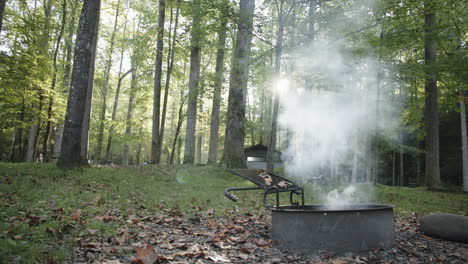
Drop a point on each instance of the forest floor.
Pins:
(177, 214)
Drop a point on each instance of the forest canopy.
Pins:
(350, 90)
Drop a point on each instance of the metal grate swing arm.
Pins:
(253, 176)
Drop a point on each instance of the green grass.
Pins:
(27, 191)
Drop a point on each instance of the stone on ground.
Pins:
(447, 226)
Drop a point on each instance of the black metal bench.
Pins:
(253, 176)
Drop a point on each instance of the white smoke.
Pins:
(331, 121)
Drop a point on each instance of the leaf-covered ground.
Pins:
(177, 215)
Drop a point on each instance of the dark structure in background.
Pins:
(256, 157)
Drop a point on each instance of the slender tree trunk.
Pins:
(180, 121)
(66, 77)
(31, 140)
(116, 98)
(274, 121)
(393, 169)
(138, 152)
(2, 11)
(431, 117)
(194, 77)
(45, 142)
(402, 170)
(155, 140)
(128, 126)
(218, 85)
(464, 140)
(105, 88)
(81, 85)
(198, 155)
(234, 156)
(114, 112)
(170, 66)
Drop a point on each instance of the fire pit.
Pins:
(350, 228)
(310, 228)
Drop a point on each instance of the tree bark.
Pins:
(81, 85)
(180, 121)
(431, 117)
(234, 156)
(2, 11)
(105, 88)
(45, 142)
(170, 66)
(128, 126)
(194, 76)
(116, 98)
(274, 122)
(218, 85)
(155, 140)
(66, 77)
(464, 140)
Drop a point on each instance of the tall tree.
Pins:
(66, 79)
(464, 140)
(431, 116)
(234, 156)
(131, 108)
(282, 16)
(81, 85)
(45, 143)
(218, 85)
(194, 76)
(170, 67)
(2, 11)
(106, 85)
(155, 140)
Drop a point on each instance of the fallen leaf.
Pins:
(216, 257)
(76, 215)
(123, 237)
(92, 231)
(143, 226)
(145, 255)
(262, 242)
(243, 256)
(106, 218)
(282, 184)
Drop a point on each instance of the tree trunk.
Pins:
(128, 126)
(464, 140)
(218, 85)
(2, 11)
(105, 88)
(234, 156)
(66, 77)
(274, 122)
(431, 117)
(114, 112)
(170, 66)
(402, 170)
(180, 120)
(116, 98)
(31, 140)
(194, 77)
(393, 169)
(45, 142)
(138, 152)
(81, 85)
(58, 142)
(198, 155)
(155, 140)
